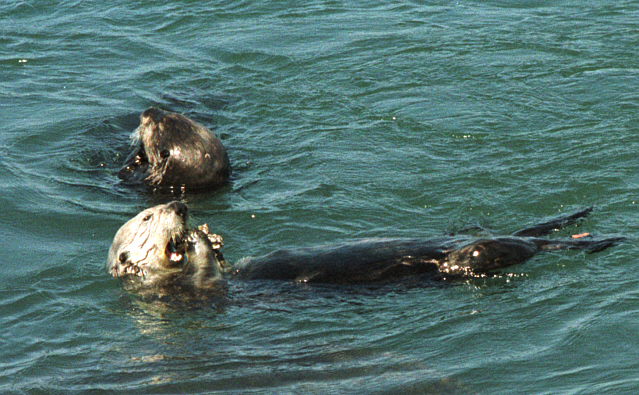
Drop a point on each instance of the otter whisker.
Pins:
(135, 136)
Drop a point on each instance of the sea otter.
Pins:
(157, 249)
(173, 151)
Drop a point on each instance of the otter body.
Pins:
(173, 151)
(156, 248)
(379, 260)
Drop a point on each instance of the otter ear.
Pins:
(123, 257)
(121, 269)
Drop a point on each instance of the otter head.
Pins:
(157, 249)
(174, 151)
(481, 256)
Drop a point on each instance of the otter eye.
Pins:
(147, 217)
(124, 256)
(165, 153)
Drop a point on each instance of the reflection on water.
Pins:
(305, 341)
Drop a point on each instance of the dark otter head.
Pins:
(157, 249)
(483, 255)
(174, 151)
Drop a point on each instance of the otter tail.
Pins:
(546, 228)
(579, 242)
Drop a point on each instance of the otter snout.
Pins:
(178, 208)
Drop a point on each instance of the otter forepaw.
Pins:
(216, 240)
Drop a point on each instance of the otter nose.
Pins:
(178, 208)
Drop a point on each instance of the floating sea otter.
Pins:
(157, 249)
(175, 152)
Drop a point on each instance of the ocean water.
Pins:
(343, 120)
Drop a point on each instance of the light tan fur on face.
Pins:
(156, 249)
(143, 241)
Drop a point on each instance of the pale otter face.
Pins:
(152, 245)
(174, 151)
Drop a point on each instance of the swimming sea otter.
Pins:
(175, 152)
(157, 249)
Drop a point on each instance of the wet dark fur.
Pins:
(364, 261)
(173, 151)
